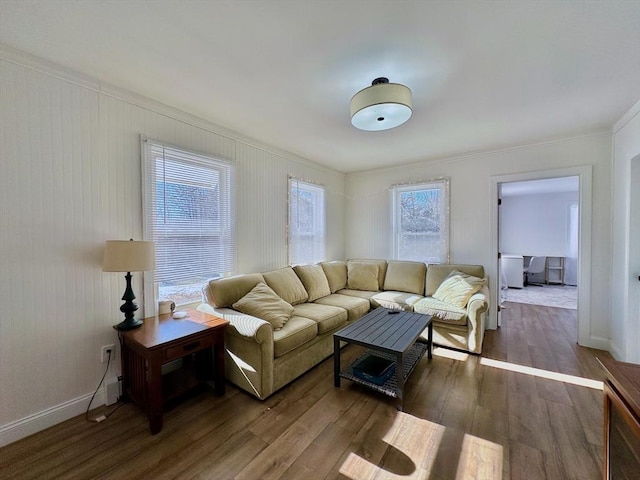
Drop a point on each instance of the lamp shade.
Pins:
(381, 106)
(128, 256)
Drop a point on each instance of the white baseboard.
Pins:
(599, 343)
(616, 352)
(14, 431)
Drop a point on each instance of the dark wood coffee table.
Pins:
(387, 333)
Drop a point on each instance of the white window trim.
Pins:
(227, 188)
(442, 256)
(320, 227)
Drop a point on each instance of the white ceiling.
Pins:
(484, 75)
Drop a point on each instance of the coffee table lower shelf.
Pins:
(390, 386)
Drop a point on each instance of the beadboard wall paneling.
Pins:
(625, 262)
(70, 178)
(49, 130)
(266, 175)
(368, 221)
(265, 209)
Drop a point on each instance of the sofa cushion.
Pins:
(437, 273)
(357, 293)
(262, 302)
(314, 281)
(355, 307)
(296, 332)
(336, 273)
(287, 285)
(458, 288)
(224, 292)
(362, 276)
(405, 277)
(326, 316)
(441, 311)
(396, 300)
(382, 268)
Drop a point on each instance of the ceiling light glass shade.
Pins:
(381, 106)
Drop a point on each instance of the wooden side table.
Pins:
(197, 339)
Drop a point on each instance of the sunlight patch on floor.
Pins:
(479, 458)
(537, 372)
(452, 354)
(413, 445)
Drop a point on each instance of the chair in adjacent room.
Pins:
(536, 265)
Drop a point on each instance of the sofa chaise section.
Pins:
(461, 328)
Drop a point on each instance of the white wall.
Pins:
(625, 291)
(472, 203)
(69, 180)
(536, 224)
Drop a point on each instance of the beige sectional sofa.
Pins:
(281, 322)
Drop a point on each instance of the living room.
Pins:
(70, 176)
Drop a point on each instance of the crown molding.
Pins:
(626, 118)
(485, 153)
(68, 75)
(18, 57)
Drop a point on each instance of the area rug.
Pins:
(548, 295)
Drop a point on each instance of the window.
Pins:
(306, 222)
(188, 213)
(421, 221)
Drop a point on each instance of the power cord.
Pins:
(101, 418)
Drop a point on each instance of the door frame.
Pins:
(584, 173)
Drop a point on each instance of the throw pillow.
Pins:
(314, 281)
(470, 279)
(362, 276)
(405, 276)
(457, 290)
(336, 273)
(287, 285)
(262, 302)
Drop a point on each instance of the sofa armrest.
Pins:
(478, 303)
(249, 347)
(241, 324)
(477, 307)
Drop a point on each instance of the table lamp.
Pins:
(128, 256)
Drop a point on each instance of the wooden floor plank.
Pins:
(464, 418)
(588, 404)
(318, 459)
(570, 440)
(366, 450)
(527, 463)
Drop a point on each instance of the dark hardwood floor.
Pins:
(466, 417)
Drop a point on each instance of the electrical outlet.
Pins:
(104, 356)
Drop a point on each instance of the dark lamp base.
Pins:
(129, 324)
(129, 308)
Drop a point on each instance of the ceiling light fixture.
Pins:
(381, 106)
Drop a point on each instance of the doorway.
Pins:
(538, 241)
(583, 261)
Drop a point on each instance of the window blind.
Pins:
(188, 212)
(306, 222)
